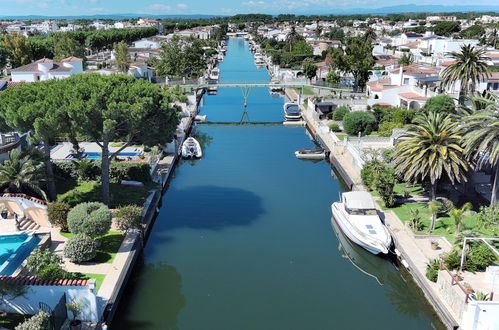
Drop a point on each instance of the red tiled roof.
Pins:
(33, 199)
(413, 44)
(413, 96)
(415, 69)
(447, 63)
(32, 280)
(44, 60)
(492, 55)
(72, 59)
(377, 87)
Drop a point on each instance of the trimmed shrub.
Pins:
(334, 127)
(440, 103)
(340, 113)
(90, 170)
(39, 259)
(359, 121)
(129, 217)
(80, 248)
(39, 321)
(403, 116)
(479, 257)
(385, 184)
(58, 215)
(386, 128)
(92, 219)
(52, 272)
(367, 176)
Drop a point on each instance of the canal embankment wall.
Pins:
(134, 241)
(407, 251)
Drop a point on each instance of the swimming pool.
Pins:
(97, 155)
(14, 249)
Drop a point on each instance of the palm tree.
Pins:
(292, 37)
(493, 38)
(21, 175)
(458, 214)
(430, 149)
(435, 207)
(469, 68)
(481, 141)
(406, 59)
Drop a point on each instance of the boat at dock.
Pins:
(292, 111)
(191, 148)
(316, 153)
(357, 217)
(214, 74)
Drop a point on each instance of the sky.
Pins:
(210, 7)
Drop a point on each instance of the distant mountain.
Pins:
(411, 8)
(111, 16)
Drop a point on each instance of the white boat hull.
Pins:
(320, 156)
(347, 229)
(191, 149)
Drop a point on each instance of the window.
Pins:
(406, 81)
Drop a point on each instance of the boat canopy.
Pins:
(359, 200)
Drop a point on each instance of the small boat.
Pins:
(358, 219)
(191, 148)
(214, 74)
(316, 153)
(292, 111)
(212, 90)
(200, 118)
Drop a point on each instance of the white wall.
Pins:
(29, 304)
(481, 315)
(22, 76)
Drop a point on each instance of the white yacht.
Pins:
(292, 111)
(214, 74)
(191, 148)
(358, 219)
(259, 60)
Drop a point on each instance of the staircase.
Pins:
(26, 224)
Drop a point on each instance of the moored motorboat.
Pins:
(316, 153)
(292, 111)
(191, 148)
(214, 74)
(358, 219)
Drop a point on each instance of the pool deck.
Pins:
(62, 150)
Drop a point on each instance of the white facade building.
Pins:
(46, 69)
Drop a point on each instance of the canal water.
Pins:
(244, 239)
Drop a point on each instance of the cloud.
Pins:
(157, 7)
(182, 5)
(227, 10)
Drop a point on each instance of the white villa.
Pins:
(46, 69)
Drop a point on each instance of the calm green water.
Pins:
(244, 239)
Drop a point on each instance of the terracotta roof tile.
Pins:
(413, 96)
(32, 280)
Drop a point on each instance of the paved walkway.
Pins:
(112, 271)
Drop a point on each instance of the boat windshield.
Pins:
(362, 211)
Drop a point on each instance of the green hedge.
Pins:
(359, 121)
(92, 170)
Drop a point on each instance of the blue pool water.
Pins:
(14, 249)
(97, 155)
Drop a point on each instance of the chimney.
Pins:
(401, 73)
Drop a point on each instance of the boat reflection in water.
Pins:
(400, 292)
(372, 265)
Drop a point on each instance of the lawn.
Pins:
(73, 193)
(110, 244)
(12, 320)
(444, 225)
(99, 278)
(306, 91)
